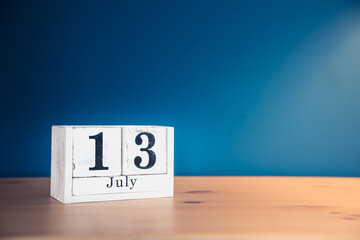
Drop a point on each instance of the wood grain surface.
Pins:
(203, 208)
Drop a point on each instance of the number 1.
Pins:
(98, 152)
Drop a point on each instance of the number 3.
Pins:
(152, 156)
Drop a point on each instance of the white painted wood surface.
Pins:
(73, 158)
(84, 151)
(132, 150)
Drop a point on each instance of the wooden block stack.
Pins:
(103, 163)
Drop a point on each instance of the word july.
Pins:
(119, 182)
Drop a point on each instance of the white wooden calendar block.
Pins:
(84, 151)
(144, 137)
(102, 163)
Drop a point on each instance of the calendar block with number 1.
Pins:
(104, 163)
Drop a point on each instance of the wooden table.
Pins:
(203, 208)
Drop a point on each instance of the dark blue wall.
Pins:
(251, 87)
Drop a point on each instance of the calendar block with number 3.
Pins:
(103, 163)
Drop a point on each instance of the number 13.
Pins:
(138, 140)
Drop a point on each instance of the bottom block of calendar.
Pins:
(120, 184)
(91, 189)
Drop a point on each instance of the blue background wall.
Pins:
(251, 87)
